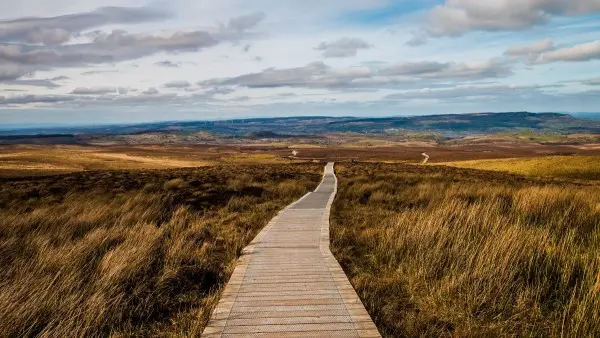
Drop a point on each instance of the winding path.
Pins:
(288, 284)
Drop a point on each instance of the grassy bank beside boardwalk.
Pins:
(131, 253)
(440, 251)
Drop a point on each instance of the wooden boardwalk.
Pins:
(288, 284)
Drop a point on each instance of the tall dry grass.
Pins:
(561, 167)
(144, 256)
(439, 252)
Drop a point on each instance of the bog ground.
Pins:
(139, 240)
(28, 160)
(438, 251)
(118, 253)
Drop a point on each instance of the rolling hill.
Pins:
(447, 125)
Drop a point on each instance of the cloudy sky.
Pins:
(103, 61)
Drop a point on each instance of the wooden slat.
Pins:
(288, 284)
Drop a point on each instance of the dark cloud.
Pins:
(319, 75)
(535, 48)
(219, 91)
(94, 72)
(33, 82)
(26, 99)
(191, 90)
(177, 84)
(13, 70)
(96, 98)
(94, 90)
(17, 60)
(291, 77)
(60, 78)
(344, 47)
(48, 36)
(245, 22)
(150, 91)
(449, 70)
(128, 46)
(59, 29)
(417, 39)
(415, 68)
(167, 63)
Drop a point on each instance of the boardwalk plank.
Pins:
(288, 284)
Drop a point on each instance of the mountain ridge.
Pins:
(456, 124)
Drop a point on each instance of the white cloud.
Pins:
(534, 49)
(12, 70)
(450, 70)
(320, 75)
(59, 29)
(28, 99)
(470, 91)
(167, 63)
(244, 22)
(582, 52)
(177, 84)
(150, 91)
(344, 47)
(592, 82)
(456, 17)
(217, 44)
(94, 90)
(17, 60)
(417, 39)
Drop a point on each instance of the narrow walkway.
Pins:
(288, 284)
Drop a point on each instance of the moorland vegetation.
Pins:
(435, 251)
(131, 253)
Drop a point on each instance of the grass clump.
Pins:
(112, 254)
(174, 184)
(437, 251)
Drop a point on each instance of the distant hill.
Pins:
(587, 116)
(38, 139)
(449, 125)
(461, 124)
(264, 134)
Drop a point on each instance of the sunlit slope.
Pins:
(575, 167)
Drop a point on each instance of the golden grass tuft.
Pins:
(113, 254)
(174, 184)
(435, 251)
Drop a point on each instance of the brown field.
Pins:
(432, 250)
(33, 160)
(436, 251)
(30, 160)
(566, 167)
(411, 151)
(131, 253)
